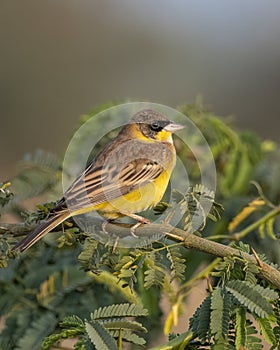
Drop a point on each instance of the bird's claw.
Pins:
(139, 223)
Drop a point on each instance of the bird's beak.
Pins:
(173, 127)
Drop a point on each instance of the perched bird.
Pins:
(128, 176)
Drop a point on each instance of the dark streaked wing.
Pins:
(97, 185)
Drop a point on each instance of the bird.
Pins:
(128, 176)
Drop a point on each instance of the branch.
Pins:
(266, 271)
(191, 241)
(188, 240)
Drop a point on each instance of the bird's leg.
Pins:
(140, 220)
(104, 225)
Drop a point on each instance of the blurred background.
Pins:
(59, 59)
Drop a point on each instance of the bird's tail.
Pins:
(40, 231)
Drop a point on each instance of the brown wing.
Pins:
(118, 170)
(98, 185)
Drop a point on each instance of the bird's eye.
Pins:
(156, 126)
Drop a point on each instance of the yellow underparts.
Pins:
(136, 201)
(139, 200)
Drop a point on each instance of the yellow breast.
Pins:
(138, 200)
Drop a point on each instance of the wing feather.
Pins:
(108, 186)
(112, 175)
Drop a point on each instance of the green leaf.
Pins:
(132, 326)
(119, 310)
(251, 270)
(266, 330)
(153, 277)
(200, 321)
(267, 293)
(58, 337)
(88, 257)
(178, 264)
(100, 337)
(240, 327)
(245, 332)
(35, 334)
(154, 274)
(220, 314)
(253, 297)
(72, 321)
(129, 337)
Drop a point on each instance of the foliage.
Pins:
(192, 206)
(39, 172)
(234, 153)
(5, 193)
(222, 319)
(72, 286)
(106, 326)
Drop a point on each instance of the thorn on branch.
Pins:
(258, 260)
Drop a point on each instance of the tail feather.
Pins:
(40, 231)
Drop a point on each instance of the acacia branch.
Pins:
(191, 241)
(188, 240)
(266, 271)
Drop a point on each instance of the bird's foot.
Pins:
(141, 221)
(104, 226)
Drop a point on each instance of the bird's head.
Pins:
(152, 125)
